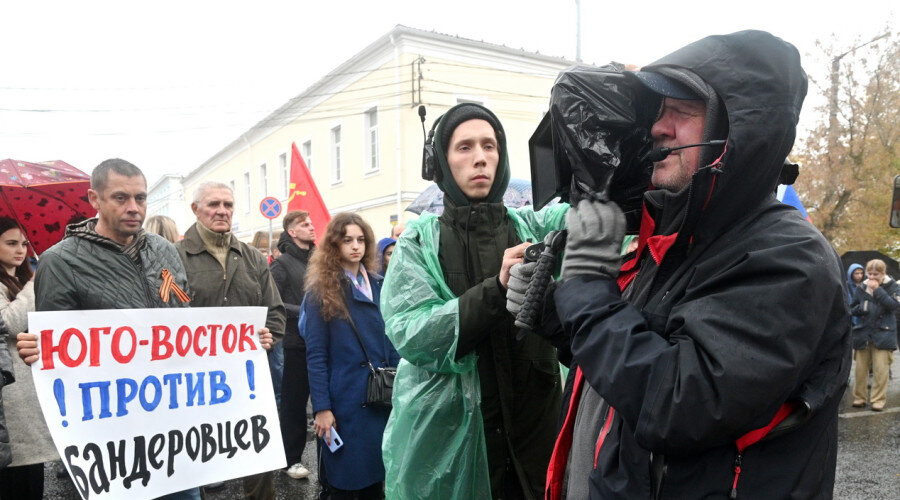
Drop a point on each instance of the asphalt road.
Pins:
(868, 458)
(868, 464)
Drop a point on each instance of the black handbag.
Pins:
(380, 386)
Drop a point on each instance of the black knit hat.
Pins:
(445, 128)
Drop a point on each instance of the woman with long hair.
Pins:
(342, 295)
(30, 442)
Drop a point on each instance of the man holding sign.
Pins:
(107, 262)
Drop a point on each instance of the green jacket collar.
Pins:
(193, 243)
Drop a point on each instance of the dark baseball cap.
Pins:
(665, 86)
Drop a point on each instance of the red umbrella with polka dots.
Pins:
(44, 198)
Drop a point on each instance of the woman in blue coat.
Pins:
(338, 287)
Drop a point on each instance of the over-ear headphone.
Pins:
(431, 171)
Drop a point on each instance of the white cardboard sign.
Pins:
(145, 402)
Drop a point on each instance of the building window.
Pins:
(306, 153)
(285, 173)
(231, 185)
(247, 192)
(370, 147)
(263, 182)
(336, 173)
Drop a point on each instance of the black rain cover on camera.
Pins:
(592, 138)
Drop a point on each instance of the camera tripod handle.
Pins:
(545, 254)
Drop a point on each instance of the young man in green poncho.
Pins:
(475, 410)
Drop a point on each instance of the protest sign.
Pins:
(144, 402)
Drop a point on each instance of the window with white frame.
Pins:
(285, 169)
(306, 153)
(370, 148)
(263, 182)
(247, 192)
(336, 172)
(231, 185)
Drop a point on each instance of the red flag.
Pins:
(304, 194)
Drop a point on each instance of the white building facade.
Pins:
(359, 130)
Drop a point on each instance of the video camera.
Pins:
(592, 142)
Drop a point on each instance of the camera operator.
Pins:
(713, 361)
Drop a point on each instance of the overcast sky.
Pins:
(167, 84)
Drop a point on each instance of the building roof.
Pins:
(372, 57)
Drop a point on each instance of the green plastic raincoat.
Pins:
(434, 443)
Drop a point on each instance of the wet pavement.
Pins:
(868, 457)
(285, 486)
(868, 464)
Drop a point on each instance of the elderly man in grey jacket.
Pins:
(223, 271)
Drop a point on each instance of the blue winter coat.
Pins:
(338, 375)
(876, 323)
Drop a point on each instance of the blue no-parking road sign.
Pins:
(270, 207)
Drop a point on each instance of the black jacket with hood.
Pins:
(289, 273)
(745, 314)
(876, 323)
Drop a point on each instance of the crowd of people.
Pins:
(670, 369)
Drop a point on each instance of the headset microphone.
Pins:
(422, 118)
(659, 154)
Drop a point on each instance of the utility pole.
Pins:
(833, 97)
